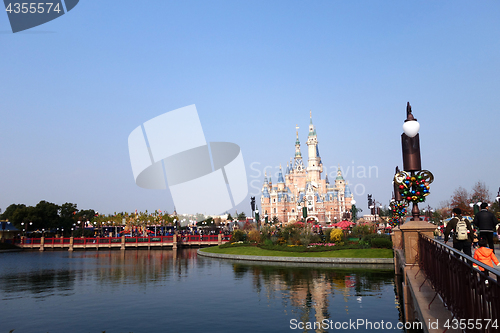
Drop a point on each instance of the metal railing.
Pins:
(471, 295)
(114, 240)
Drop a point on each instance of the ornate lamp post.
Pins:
(252, 206)
(375, 209)
(475, 205)
(428, 213)
(413, 182)
(304, 211)
(299, 210)
(354, 211)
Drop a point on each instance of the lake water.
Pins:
(178, 291)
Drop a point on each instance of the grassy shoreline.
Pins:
(347, 253)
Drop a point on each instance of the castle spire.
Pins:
(298, 165)
(339, 174)
(280, 177)
(314, 165)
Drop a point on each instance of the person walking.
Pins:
(485, 255)
(462, 237)
(486, 223)
(475, 240)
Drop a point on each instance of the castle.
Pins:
(302, 186)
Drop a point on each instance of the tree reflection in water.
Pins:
(61, 275)
(309, 291)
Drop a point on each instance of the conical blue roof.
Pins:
(280, 177)
(347, 192)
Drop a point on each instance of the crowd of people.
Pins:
(481, 237)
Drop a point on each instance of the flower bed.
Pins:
(321, 244)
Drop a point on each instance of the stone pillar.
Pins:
(42, 241)
(219, 239)
(71, 239)
(410, 231)
(175, 241)
(123, 243)
(397, 238)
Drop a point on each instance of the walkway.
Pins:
(91, 243)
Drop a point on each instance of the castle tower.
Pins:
(339, 181)
(340, 185)
(281, 181)
(298, 165)
(314, 165)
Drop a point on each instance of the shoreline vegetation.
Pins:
(340, 253)
(301, 240)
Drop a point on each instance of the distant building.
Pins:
(7, 231)
(301, 186)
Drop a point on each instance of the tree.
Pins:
(442, 212)
(67, 215)
(199, 217)
(480, 192)
(87, 215)
(241, 216)
(385, 211)
(460, 199)
(9, 212)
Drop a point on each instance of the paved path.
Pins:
(450, 243)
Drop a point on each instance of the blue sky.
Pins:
(73, 89)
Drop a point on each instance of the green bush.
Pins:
(362, 230)
(291, 234)
(307, 237)
(228, 245)
(300, 248)
(368, 238)
(238, 236)
(381, 243)
(268, 242)
(326, 234)
(254, 236)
